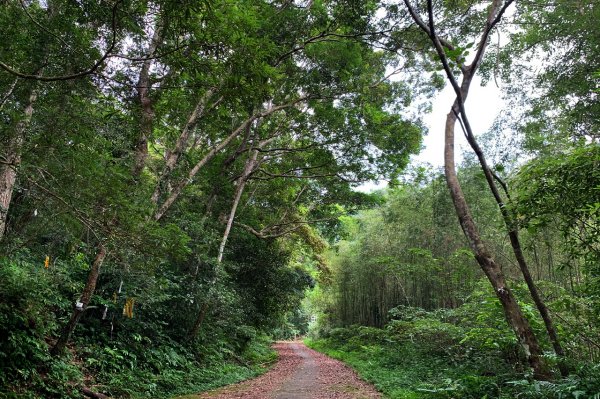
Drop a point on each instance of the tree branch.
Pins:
(39, 25)
(492, 21)
(264, 233)
(9, 92)
(216, 149)
(74, 211)
(89, 71)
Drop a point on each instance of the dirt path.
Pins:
(300, 373)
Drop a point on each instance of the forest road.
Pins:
(300, 373)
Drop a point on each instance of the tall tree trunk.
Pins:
(141, 152)
(172, 156)
(241, 184)
(147, 108)
(513, 234)
(82, 304)
(12, 160)
(539, 303)
(178, 189)
(492, 270)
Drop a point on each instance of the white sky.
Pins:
(483, 105)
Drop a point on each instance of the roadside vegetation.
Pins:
(178, 188)
(449, 354)
(406, 306)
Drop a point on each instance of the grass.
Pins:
(427, 367)
(396, 379)
(409, 371)
(227, 378)
(261, 356)
(206, 380)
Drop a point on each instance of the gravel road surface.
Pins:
(300, 373)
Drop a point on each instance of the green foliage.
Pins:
(294, 324)
(304, 88)
(217, 67)
(268, 290)
(408, 361)
(143, 370)
(563, 193)
(407, 251)
(137, 359)
(27, 290)
(564, 106)
(427, 355)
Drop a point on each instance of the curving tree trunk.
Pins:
(513, 235)
(249, 168)
(241, 184)
(492, 270)
(82, 303)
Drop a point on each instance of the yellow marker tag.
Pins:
(47, 262)
(131, 308)
(128, 308)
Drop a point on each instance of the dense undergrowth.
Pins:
(119, 356)
(440, 354)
